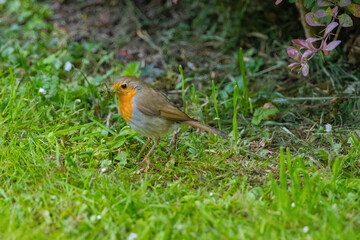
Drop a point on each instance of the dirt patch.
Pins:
(133, 30)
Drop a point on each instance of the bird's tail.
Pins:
(207, 128)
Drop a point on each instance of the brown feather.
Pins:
(159, 106)
(154, 103)
(205, 127)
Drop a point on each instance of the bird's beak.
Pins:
(110, 90)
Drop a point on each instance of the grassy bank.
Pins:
(66, 155)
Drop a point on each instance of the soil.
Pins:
(133, 30)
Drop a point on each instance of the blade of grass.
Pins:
(245, 84)
(275, 189)
(234, 123)
(336, 169)
(282, 169)
(215, 103)
(288, 162)
(182, 87)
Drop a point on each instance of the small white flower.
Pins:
(211, 193)
(43, 91)
(328, 128)
(103, 169)
(67, 66)
(98, 217)
(305, 229)
(132, 236)
(77, 100)
(293, 204)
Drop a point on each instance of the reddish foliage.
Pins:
(305, 49)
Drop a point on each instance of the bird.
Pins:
(150, 113)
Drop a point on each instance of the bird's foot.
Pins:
(146, 158)
(144, 169)
(174, 138)
(141, 162)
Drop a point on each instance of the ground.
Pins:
(67, 156)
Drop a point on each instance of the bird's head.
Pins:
(126, 85)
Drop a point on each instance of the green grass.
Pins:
(66, 171)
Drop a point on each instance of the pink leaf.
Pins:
(322, 3)
(278, 2)
(354, 9)
(313, 20)
(306, 55)
(311, 47)
(305, 69)
(294, 65)
(330, 27)
(312, 39)
(293, 53)
(332, 45)
(301, 43)
(335, 11)
(320, 13)
(344, 3)
(345, 20)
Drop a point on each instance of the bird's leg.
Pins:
(142, 150)
(144, 147)
(146, 158)
(174, 138)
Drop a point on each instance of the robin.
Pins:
(150, 113)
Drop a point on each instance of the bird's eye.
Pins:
(124, 86)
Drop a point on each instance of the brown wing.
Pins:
(153, 103)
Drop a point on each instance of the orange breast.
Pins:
(125, 104)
